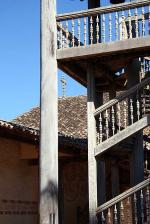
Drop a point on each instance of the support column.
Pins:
(114, 178)
(137, 155)
(48, 168)
(92, 167)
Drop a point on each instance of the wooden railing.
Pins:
(104, 24)
(121, 112)
(132, 206)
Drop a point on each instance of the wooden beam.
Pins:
(122, 135)
(48, 170)
(138, 45)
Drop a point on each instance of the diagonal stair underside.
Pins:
(122, 135)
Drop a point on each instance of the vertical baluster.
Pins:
(79, 23)
(73, 33)
(147, 205)
(130, 24)
(123, 25)
(144, 102)
(100, 128)
(97, 29)
(121, 212)
(103, 27)
(106, 123)
(116, 26)
(91, 30)
(109, 216)
(149, 20)
(143, 22)
(67, 35)
(103, 218)
(97, 138)
(118, 115)
(131, 111)
(85, 31)
(138, 108)
(61, 36)
(135, 208)
(142, 207)
(125, 113)
(113, 120)
(110, 27)
(115, 215)
(136, 23)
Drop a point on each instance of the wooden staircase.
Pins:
(128, 113)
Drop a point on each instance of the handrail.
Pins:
(121, 97)
(102, 10)
(122, 196)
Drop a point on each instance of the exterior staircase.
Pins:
(119, 120)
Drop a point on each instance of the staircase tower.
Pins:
(106, 49)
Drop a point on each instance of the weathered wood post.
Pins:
(48, 168)
(92, 166)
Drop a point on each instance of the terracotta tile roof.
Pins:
(71, 115)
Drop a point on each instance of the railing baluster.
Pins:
(144, 102)
(130, 24)
(119, 116)
(97, 139)
(67, 35)
(106, 123)
(79, 23)
(97, 29)
(121, 212)
(113, 120)
(100, 128)
(131, 111)
(109, 216)
(136, 23)
(61, 36)
(115, 215)
(103, 218)
(138, 108)
(123, 25)
(73, 33)
(85, 39)
(91, 30)
(125, 113)
(103, 27)
(110, 27)
(116, 26)
(142, 207)
(147, 205)
(143, 22)
(135, 208)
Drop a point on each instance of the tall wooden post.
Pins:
(92, 166)
(48, 170)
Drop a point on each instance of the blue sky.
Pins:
(20, 54)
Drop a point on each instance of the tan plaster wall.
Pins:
(18, 185)
(75, 185)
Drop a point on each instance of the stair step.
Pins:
(122, 135)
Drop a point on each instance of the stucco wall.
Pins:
(18, 185)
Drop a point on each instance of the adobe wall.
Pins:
(18, 185)
(75, 186)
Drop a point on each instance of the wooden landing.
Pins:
(108, 58)
(129, 131)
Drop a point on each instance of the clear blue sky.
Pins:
(19, 55)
